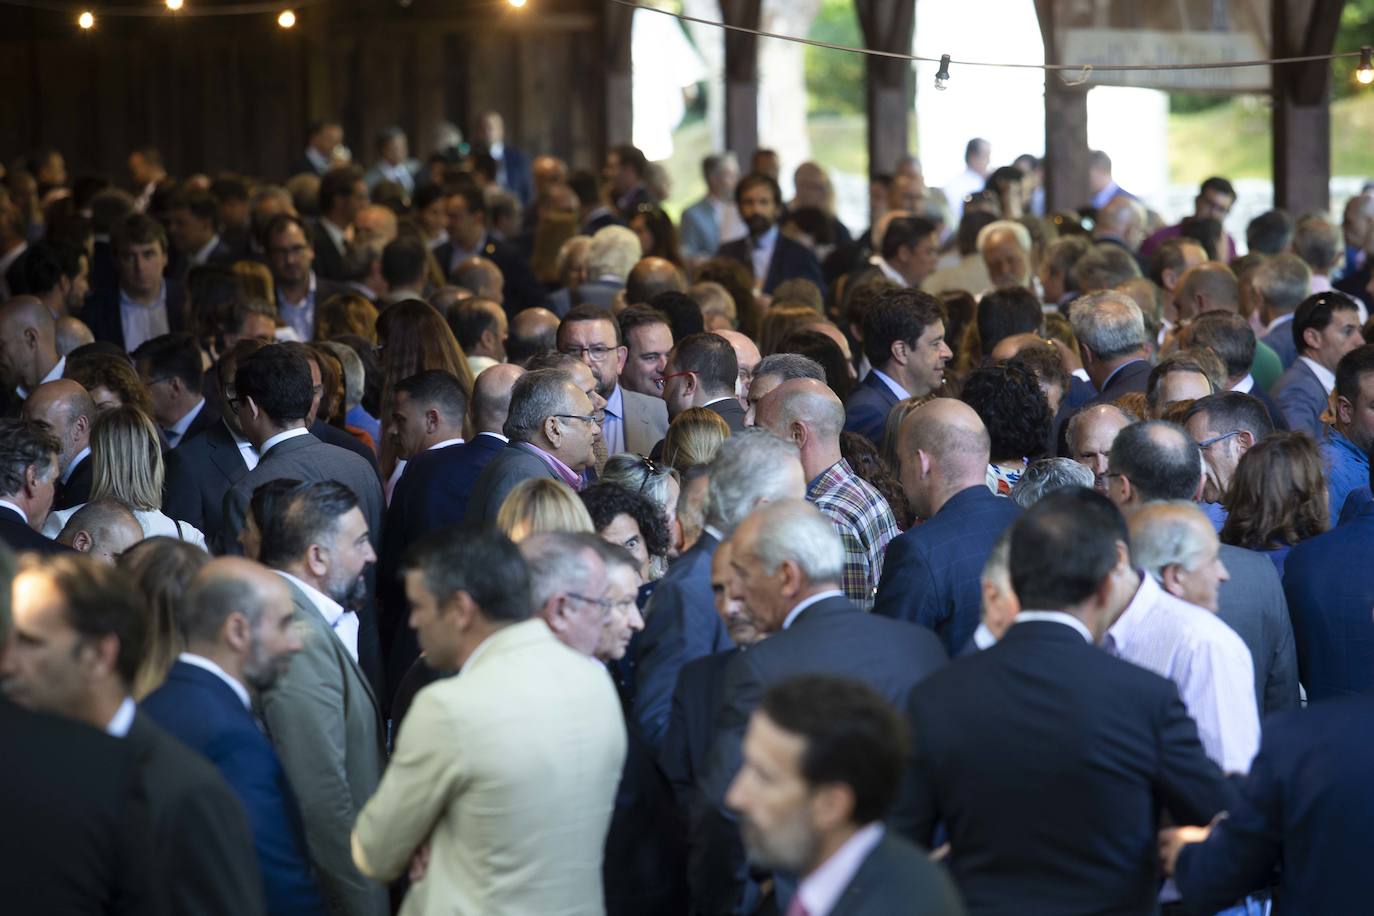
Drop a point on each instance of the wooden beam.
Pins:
(1301, 133)
(888, 25)
(741, 77)
(1066, 128)
(618, 124)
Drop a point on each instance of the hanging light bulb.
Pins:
(287, 19)
(942, 78)
(517, 3)
(175, 5)
(86, 20)
(1364, 73)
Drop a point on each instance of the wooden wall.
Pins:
(236, 92)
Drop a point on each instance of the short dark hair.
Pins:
(852, 736)
(1219, 185)
(24, 443)
(227, 188)
(138, 229)
(482, 563)
(438, 389)
(45, 263)
(1157, 469)
(1169, 256)
(1234, 410)
(1316, 313)
(263, 503)
(278, 380)
(1353, 366)
(1015, 411)
(99, 600)
(711, 357)
(338, 182)
(753, 180)
(1270, 232)
(212, 290)
(905, 232)
(898, 314)
(631, 156)
(820, 348)
(1063, 547)
(176, 355)
(520, 349)
(200, 204)
(468, 189)
(425, 195)
(1229, 336)
(307, 514)
(974, 147)
(606, 501)
(970, 225)
(278, 224)
(1005, 312)
(470, 318)
(588, 312)
(636, 316)
(403, 262)
(684, 315)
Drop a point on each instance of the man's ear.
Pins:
(1345, 411)
(82, 541)
(1169, 579)
(1311, 337)
(900, 352)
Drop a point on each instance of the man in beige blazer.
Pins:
(321, 715)
(504, 777)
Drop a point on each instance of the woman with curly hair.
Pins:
(626, 519)
(1277, 496)
(1017, 415)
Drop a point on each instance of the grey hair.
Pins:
(534, 398)
(787, 366)
(744, 474)
(1168, 533)
(1284, 281)
(614, 250)
(630, 472)
(1045, 476)
(1022, 234)
(793, 529)
(353, 371)
(575, 246)
(559, 562)
(1108, 323)
(997, 567)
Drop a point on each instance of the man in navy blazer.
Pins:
(1325, 328)
(1099, 745)
(931, 573)
(236, 617)
(904, 340)
(1111, 341)
(144, 303)
(1305, 806)
(28, 470)
(770, 256)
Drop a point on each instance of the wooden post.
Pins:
(1066, 128)
(619, 123)
(741, 78)
(888, 25)
(1302, 118)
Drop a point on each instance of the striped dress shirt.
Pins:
(866, 525)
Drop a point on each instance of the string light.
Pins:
(1364, 73)
(517, 3)
(175, 5)
(942, 78)
(287, 19)
(86, 20)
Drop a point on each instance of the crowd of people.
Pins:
(473, 537)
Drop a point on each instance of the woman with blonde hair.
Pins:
(346, 313)
(542, 505)
(126, 465)
(162, 568)
(694, 438)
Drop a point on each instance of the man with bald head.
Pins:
(1121, 222)
(482, 278)
(532, 331)
(104, 529)
(1090, 434)
(28, 344)
(931, 573)
(240, 637)
(68, 409)
(70, 333)
(809, 414)
(771, 372)
(747, 355)
(651, 276)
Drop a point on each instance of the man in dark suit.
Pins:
(1303, 808)
(512, 164)
(552, 427)
(322, 139)
(813, 629)
(904, 340)
(343, 192)
(1325, 328)
(1111, 341)
(770, 256)
(192, 222)
(292, 261)
(144, 304)
(1099, 743)
(829, 739)
(1280, 284)
(68, 409)
(469, 237)
(28, 475)
(170, 366)
(206, 703)
(81, 634)
(1330, 597)
(702, 371)
(931, 573)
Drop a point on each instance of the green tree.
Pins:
(835, 79)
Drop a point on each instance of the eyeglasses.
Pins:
(605, 604)
(589, 418)
(597, 353)
(663, 380)
(1208, 443)
(652, 470)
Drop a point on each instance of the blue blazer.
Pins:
(931, 573)
(1306, 804)
(1134, 376)
(791, 261)
(1330, 594)
(206, 715)
(1301, 397)
(700, 234)
(1281, 341)
(866, 410)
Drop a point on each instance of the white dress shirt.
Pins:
(1245, 385)
(247, 450)
(299, 316)
(200, 661)
(1323, 374)
(821, 890)
(53, 375)
(123, 719)
(203, 255)
(282, 437)
(805, 603)
(177, 430)
(1204, 658)
(344, 623)
(142, 322)
(888, 270)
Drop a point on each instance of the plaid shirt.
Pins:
(865, 522)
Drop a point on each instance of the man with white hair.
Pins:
(753, 467)
(1111, 341)
(611, 254)
(1173, 541)
(1046, 475)
(789, 561)
(1005, 246)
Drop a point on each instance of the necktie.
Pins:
(796, 908)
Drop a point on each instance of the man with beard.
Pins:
(238, 619)
(633, 421)
(322, 715)
(770, 256)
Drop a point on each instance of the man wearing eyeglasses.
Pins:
(292, 261)
(633, 421)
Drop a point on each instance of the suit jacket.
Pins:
(691, 722)
(324, 721)
(518, 179)
(1356, 283)
(897, 879)
(600, 293)
(1099, 743)
(645, 421)
(1302, 398)
(77, 490)
(729, 411)
(1329, 597)
(791, 261)
(102, 312)
(200, 834)
(19, 537)
(332, 435)
(78, 836)
(680, 624)
(931, 573)
(202, 712)
(1251, 602)
(700, 232)
(329, 260)
(830, 637)
(1305, 805)
(522, 289)
(1133, 376)
(208, 417)
(1281, 341)
(866, 410)
(509, 772)
(207, 467)
(503, 471)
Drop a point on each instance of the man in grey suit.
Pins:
(833, 745)
(1325, 328)
(633, 421)
(321, 715)
(552, 426)
(714, 218)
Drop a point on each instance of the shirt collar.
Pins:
(445, 444)
(159, 301)
(178, 429)
(1131, 619)
(55, 372)
(282, 437)
(822, 889)
(983, 638)
(891, 383)
(1055, 617)
(77, 459)
(564, 472)
(805, 603)
(336, 233)
(1323, 374)
(1278, 321)
(200, 661)
(6, 504)
(1245, 385)
(317, 159)
(1108, 380)
(615, 404)
(766, 241)
(203, 255)
(498, 436)
(305, 300)
(329, 609)
(888, 270)
(123, 719)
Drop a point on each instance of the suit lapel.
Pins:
(323, 630)
(225, 455)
